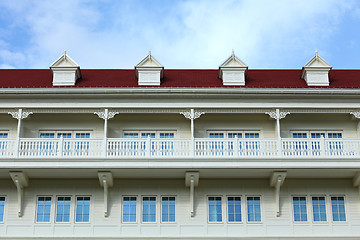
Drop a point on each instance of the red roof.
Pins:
(120, 78)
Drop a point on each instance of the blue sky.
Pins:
(181, 34)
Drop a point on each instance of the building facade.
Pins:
(152, 153)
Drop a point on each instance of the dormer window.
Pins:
(65, 71)
(149, 71)
(316, 72)
(233, 71)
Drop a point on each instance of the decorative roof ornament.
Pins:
(233, 71)
(316, 71)
(149, 71)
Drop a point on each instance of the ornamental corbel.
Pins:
(355, 114)
(277, 180)
(106, 180)
(20, 114)
(20, 180)
(106, 114)
(277, 114)
(192, 181)
(192, 114)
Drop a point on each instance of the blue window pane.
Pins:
(132, 218)
(2, 208)
(299, 207)
(338, 209)
(319, 209)
(253, 209)
(149, 209)
(215, 209)
(43, 209)
(82, 209)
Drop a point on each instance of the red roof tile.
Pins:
(119, 78)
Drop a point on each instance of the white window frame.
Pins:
(309, 132)
(156, 210)
(73, 133)
(157, 133)
(346, 212)
(241, 207)
(222, 209)
(226, 133)
(70, 213)
(137, 209)
(307, 209)
(261, 210)
(5, 131)
(90, 207)
(51, 209)
(161, 221)
(326, 208)
(5, 205)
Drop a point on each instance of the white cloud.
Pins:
(184, 34)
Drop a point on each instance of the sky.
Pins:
(196, 34)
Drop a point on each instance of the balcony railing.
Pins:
(179, 148)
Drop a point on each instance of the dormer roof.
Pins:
(233, 62)
(316, 62)
(64, 61)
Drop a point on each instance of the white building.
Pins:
(152, 153)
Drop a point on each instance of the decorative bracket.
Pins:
(20, 114)
(106, 181)
(106, 114)
(277, 180)
(192, 181)
(355, 114)
(356, 181)
(192, 114)
(277, 114)
(21, 180)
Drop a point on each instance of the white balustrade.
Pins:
(180, 148)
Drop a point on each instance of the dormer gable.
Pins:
(233, 71)
(316, 71)
(149, 71)
(65, 71)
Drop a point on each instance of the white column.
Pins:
(192, 115)
(106, 115)
(277, 115)
(19, 115)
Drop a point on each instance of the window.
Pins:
(338, 209)
(82, 209)
(129, 209)
(63, 209)
(234, 209)
(233, 134)
(253, 209)
(149, 209)
(299, 207)
(319, 209)
(151, 134)
(316, 134)
(168, 209)
(2, 209)
(65, 134)
(3, 135)
(215, 209)
(43, 209)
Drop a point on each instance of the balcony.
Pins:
(198, 148)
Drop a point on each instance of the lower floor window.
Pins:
(43, 209)
(2, 208)
(149, 209)
(319, 209)
(338, 209)
(253, 209)
(215, 209)
(299, 207)
(63, 209)
(82, 209)
(168, 209)
(234, 209)
(129, 209)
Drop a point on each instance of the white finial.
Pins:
(149, 54)
(316, 53)
(232, 53)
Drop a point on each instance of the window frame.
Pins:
(156, 209)
(261, 210)
(161, 219)
(37, 208)
(307, 209)
(226, 133)
(157, 133)
(5, 205)
(70, 211)
(326, 209)
(208, 212)
(90, 206)
(136, 208)
(73, 133)
(309, 132)
(346, 213)
(241, 208)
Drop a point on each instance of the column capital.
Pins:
(20, 114)
(192, 114)
(277, 114)
(106, 114)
